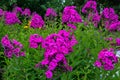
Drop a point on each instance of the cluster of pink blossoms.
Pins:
(37, 21)
(12, 47)
(70, 16)
(90, 8)
(50, 12)
(56, 47)
(1, 12)
(106, 59)
(111, 40)
(118, 41)
(26, 12)
(11, 18)
(17, 10)
(110, 19)
(35, 40)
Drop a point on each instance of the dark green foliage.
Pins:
(40, 6)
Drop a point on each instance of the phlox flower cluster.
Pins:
(56, 47)
(96, 19)
(50, 12)
(12, 47)
(90, 8)
(113, 42)
(26, 12)
(70, 16)
(11, 18)
(110, 19)
(17, 10)
(106, 59)
(35, 40)
(114, 26)
(118, 41)
(37, 21)
(1, 12)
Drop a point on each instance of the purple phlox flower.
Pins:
(72, 26)
(11, 18)
(108, 66)
(90, 6)
(8, 53)
(73, 40)
(70, 16)
(49, 74)
(26, 12)
(17, 44)
(33, 45)
(22, 53)
(107, 13)
(50, 12)
(17, 10)
(107, 59)
(38, 65)
(35, 40)
(6, 43)
(91, 0)
(64, 49)
(110, 19)
(59, 57)
(96, 19)
(37, 21)
(1, 12)
(98, 64)
(52, 65)
(12, 47)
(56, 46)
(64, 33)
(51, 51)
(118, 41)
(16, 50)
(44, 61)
(114, 26)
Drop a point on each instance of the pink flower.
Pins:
(26, 12)
(11, 18)
(33, 45)
(22, 53)
(90, 5)
(50, 12)
(12, 47)
(108, 67)
(44, 61)
(37, 21)
(35, 40)
(107, 59)
(72, 26)
(49, 74)
(59, 57)
(118, 41)
(98, 64)
(52, 65)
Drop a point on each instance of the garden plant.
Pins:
(66, 45)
